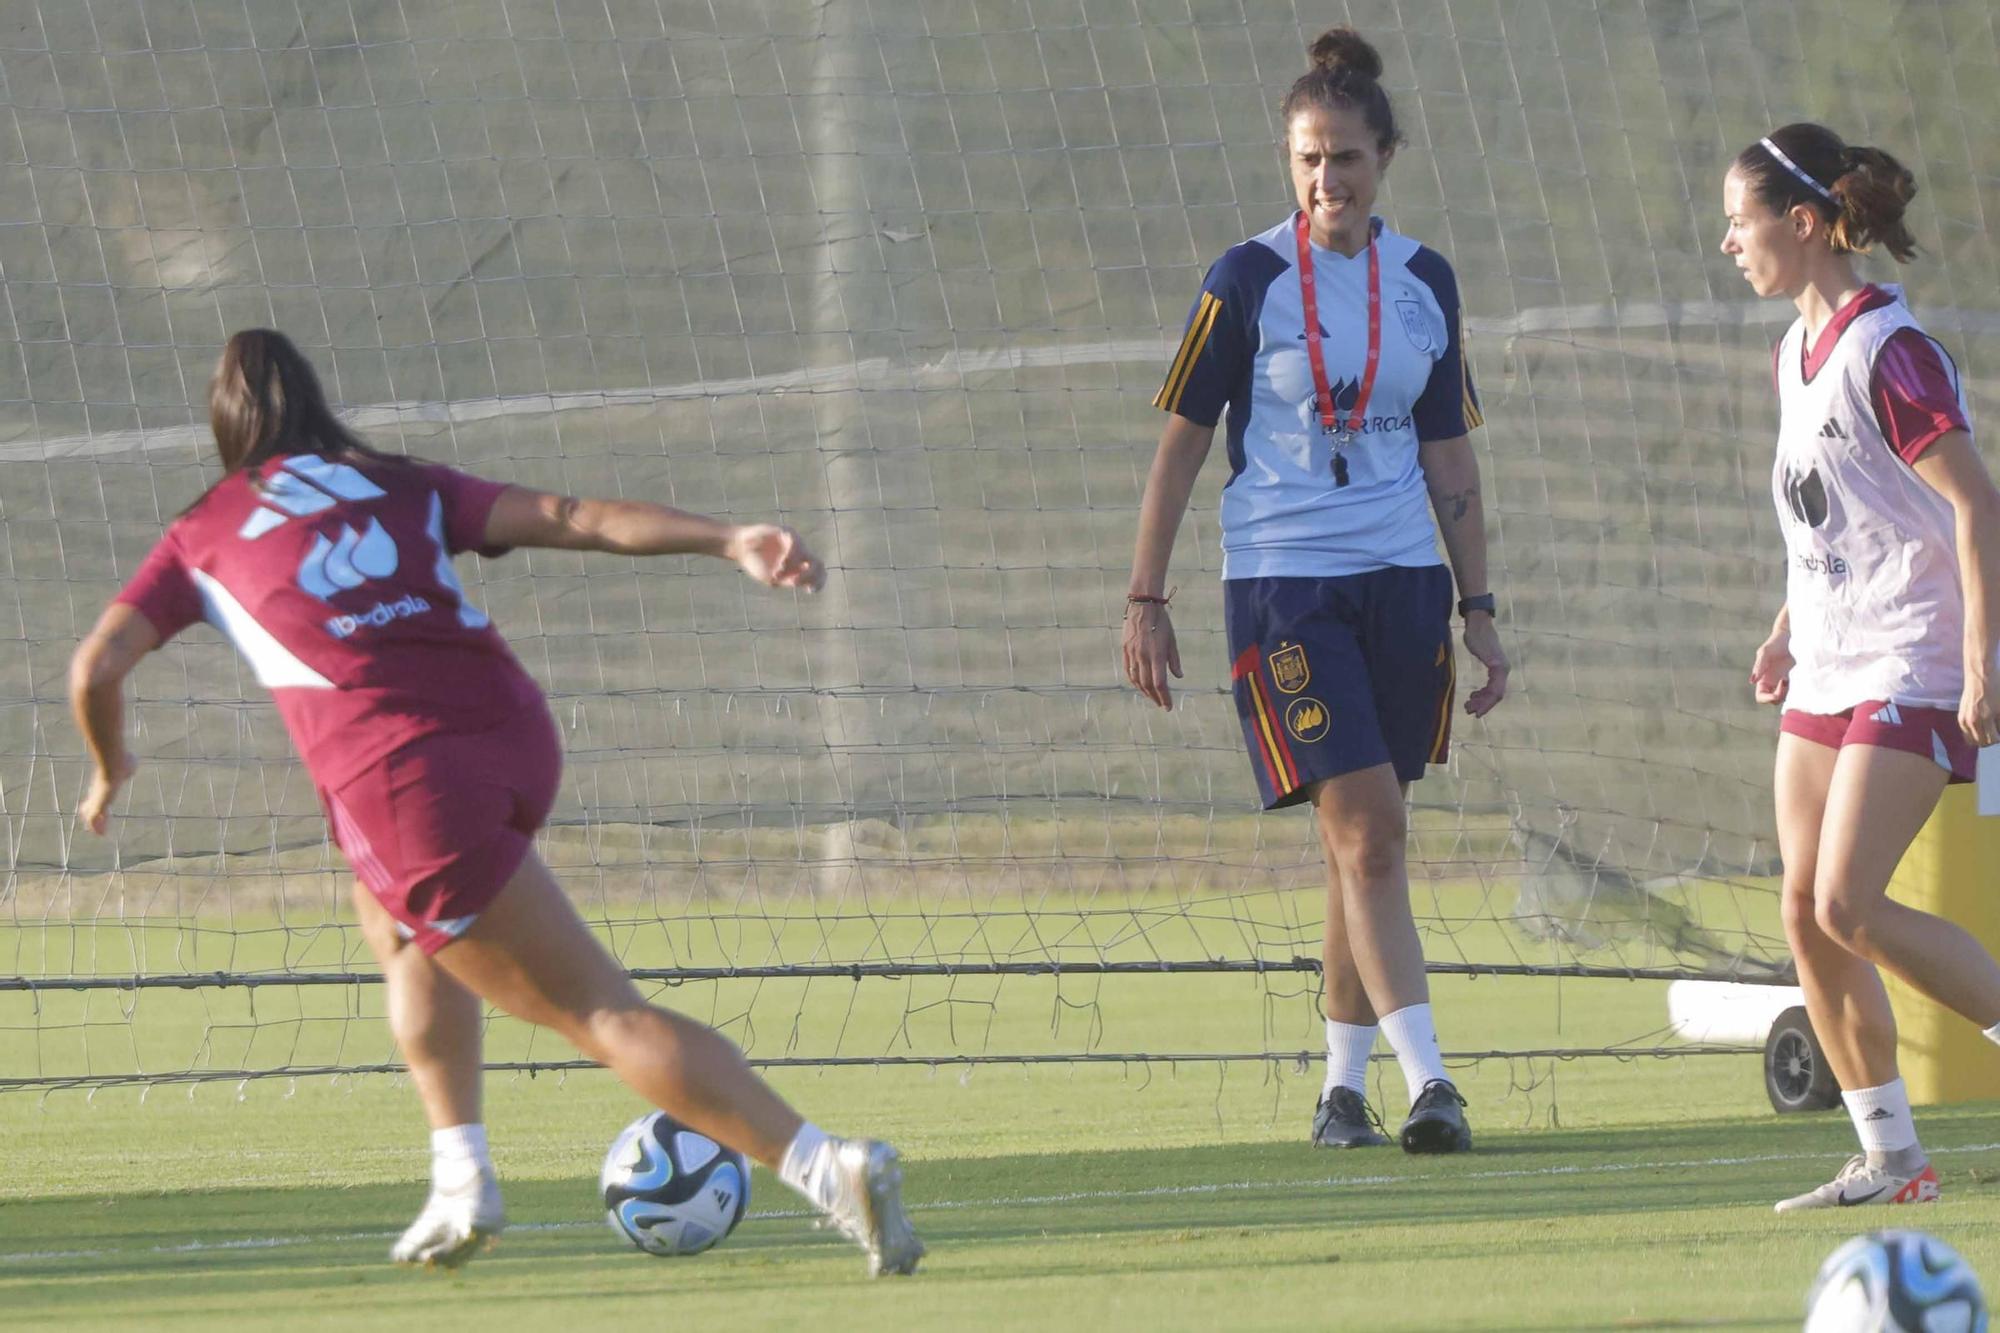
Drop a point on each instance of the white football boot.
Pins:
(458, 1220)
(858, 1184)
(1860, 1184)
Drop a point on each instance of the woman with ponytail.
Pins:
(1334, 345)
(329, 566)
(1882, 656)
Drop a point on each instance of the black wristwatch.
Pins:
(1483, 602)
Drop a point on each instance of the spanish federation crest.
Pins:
(1289, 671)
(1417, 325)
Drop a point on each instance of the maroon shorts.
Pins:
(436, 829)
(1933, 733)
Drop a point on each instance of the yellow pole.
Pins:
(1952, 869)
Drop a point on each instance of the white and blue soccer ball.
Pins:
(1895, 1282)
(671, 1191)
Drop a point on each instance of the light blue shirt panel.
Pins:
(1282, 516)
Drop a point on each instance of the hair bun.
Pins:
(1345, 51)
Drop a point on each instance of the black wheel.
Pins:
(1796, 1074)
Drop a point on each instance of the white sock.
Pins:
(802, 1155)
(1414, 1039)
(458, 1152)
(1991, 1034)
(1882, 1117)
(1347, 1049)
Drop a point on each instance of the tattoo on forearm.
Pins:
(1459, 502)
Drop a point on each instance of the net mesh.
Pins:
(904, 276)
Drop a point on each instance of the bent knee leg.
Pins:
(618, 1034)
(616, 1025)
(1370, 854)
(1800, 913)
(1845, 918)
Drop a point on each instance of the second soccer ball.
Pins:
(1895, 1282)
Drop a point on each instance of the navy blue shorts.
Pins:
(1334, 675)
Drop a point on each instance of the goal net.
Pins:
(906, 276)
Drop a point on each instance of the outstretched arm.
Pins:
(771, 554)
(97, 696)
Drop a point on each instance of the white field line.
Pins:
(882, 373)
(1025, 1201)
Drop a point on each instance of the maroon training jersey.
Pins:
(334, 580)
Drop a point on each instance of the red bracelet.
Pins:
(1141, 599)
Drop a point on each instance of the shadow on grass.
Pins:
(1044, 1216)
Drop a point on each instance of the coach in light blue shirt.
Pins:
(1280, 517)
(1334, 345)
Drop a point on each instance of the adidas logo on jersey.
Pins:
(1833, 430)
(288, 490)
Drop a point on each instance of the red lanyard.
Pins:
(1343, 433)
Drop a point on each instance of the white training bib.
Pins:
(1872, 565)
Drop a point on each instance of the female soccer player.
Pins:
(1882, 656)
(328, 564)
(1335, 345)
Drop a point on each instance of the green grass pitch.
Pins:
(1603, 1194)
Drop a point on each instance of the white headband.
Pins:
(1798, 171)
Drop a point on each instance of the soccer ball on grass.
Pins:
(1895, 1282)
(671, 1191)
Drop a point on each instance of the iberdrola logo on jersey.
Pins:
(1344, 394)
(1306, 719)
(1805, 495)
(348, 560)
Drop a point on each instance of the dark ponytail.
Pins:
(1874, 189)
(264, 400)
(1861, 193)
(1346, 73)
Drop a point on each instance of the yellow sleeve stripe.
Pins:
(1473, 416)
(1168, 399)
